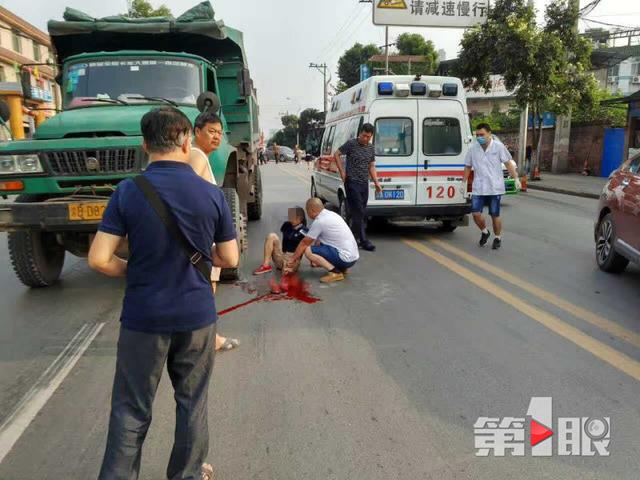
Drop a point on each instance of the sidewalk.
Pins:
(569, 184)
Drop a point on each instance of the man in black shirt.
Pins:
(360, 165)
(293, 231)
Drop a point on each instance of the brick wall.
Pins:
(585, 144)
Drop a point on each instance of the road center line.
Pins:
(613, 357)
(36, 398)
(574, 310)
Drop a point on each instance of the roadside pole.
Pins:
(386, 49)
(322, 68)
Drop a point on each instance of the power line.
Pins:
(609, 24)
(347, 39)
(355, 20)
(350, 18)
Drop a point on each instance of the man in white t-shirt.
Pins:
(329, 243)
(486, 158)
(208, 135)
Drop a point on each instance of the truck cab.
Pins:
(113, 71)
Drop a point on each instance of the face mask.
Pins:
(481, 140)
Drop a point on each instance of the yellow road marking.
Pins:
(579, 312)
(616, 359)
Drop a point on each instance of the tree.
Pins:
(310, 125)
(349, 64)
(415, 44)
(144, 9)
(547, 67)
(288, 135)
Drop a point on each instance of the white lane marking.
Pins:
(36, 398)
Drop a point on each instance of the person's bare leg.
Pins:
(269, 246)
(318, 260)
(497, 226)
(478, 218)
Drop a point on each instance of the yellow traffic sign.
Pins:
(393, 4)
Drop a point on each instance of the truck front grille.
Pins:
(94, 162)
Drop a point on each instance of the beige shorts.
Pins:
(280, 258)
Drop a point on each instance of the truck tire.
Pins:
(36, 257)
(232, 274)
(254, 210)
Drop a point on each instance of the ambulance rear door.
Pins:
(396, 151)
(441, 152)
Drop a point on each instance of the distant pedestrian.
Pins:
(276, 152)
(360, 165)
(168, 314)
(208, 134)
(262, 157)
(486, 157)
(281, 251)
(329, 243)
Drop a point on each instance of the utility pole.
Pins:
(524, 130)
(386, 50)
(322, 68)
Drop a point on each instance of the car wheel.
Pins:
(608, 259)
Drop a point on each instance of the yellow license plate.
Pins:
(86, 211)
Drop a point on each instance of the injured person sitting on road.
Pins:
(293, 231)
(329, 244)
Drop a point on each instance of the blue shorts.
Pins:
(331, 255)
(478, 202)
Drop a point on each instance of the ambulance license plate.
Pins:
(83, 211)
(390, 195)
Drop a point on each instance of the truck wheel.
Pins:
(36, 256)
(254, 210)
(231, 274)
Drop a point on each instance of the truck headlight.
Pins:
(17, 164)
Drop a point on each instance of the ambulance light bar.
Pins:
(385, 88)
(450, 90)
(402, 90)
(435, 90)
(418, 89)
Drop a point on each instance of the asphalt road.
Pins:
(382, 379)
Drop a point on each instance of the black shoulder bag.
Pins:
(162, 210)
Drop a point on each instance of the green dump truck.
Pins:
(112, 71)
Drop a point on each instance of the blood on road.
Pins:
(291, 287)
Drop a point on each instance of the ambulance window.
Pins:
(441, 136)
(353, 128)
(394, 137)
(328, 141)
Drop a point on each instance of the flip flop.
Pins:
(206, 472)
(229, 344)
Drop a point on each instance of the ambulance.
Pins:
(422, 134)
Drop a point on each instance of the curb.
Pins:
(544, 188)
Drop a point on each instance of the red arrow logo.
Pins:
(539, 433)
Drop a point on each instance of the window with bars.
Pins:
(17, 42)
(36, 52)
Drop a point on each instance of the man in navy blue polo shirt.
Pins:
(168, 314)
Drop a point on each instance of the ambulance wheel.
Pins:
(314, 190)
(231, 196)
(447, 226)
(343, 209)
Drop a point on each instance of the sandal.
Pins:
(207, 472)
(229, 344)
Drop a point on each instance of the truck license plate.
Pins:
(86, 211)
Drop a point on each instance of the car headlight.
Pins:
(18, 164)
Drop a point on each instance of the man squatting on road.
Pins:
(169, 312)
(486, 157)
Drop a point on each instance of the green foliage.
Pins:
(311, 121)
(349, 64)
(498, 120)
(612, 115)
(547, 67)
(144, 9)
(415, 44)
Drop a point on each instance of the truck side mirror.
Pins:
(245, 84)
(5, 113)
(208, 101)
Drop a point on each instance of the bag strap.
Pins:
(162, 210)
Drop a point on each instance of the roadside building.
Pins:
(22, 48)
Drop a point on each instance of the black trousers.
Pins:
(357, 199)
(140, 361)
